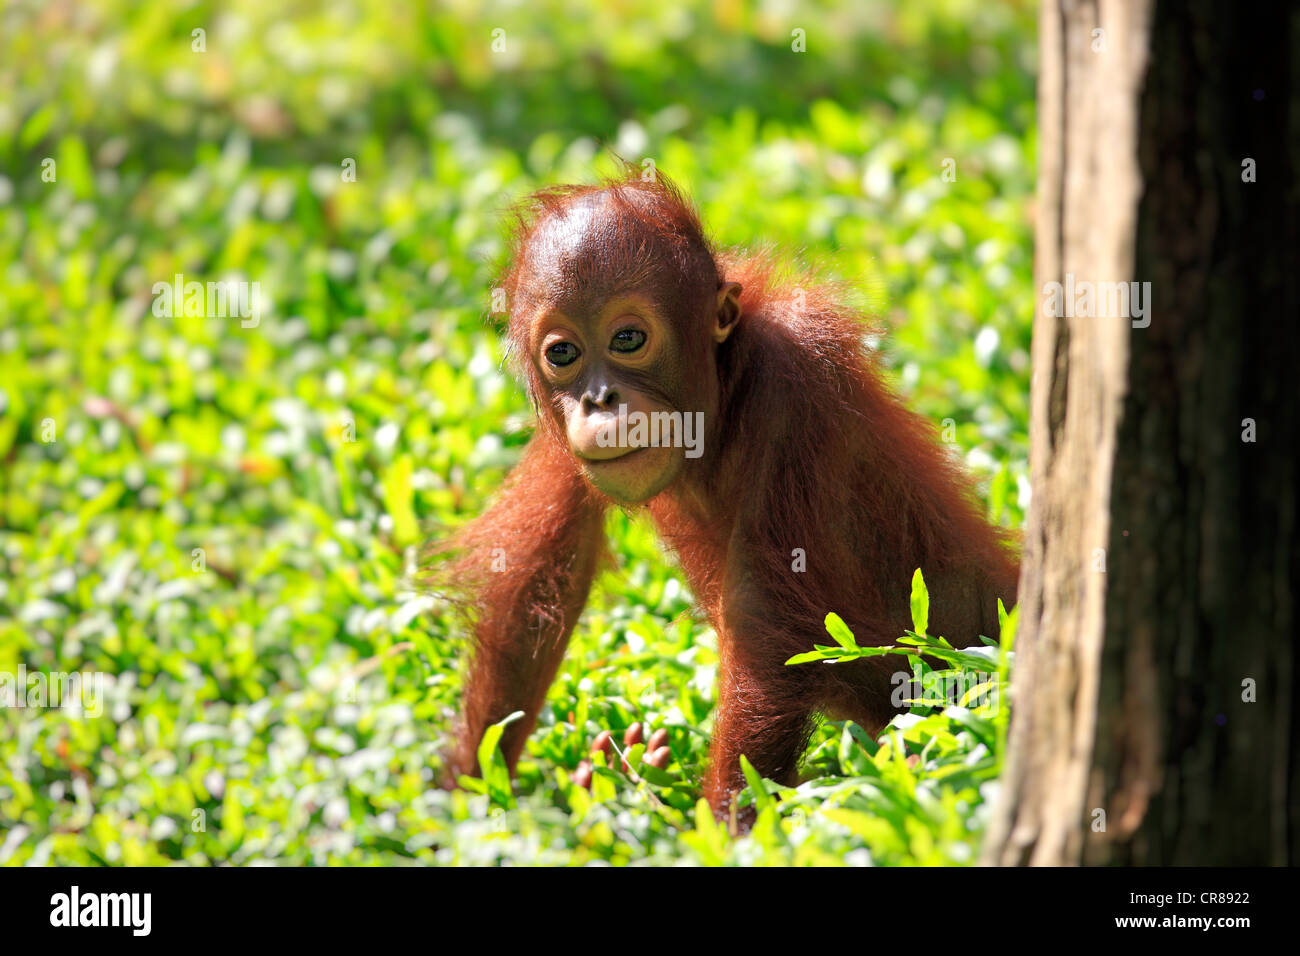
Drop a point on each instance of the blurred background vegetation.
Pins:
(223, 521)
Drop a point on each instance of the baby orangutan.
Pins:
(749, 419)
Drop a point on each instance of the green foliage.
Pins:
(918, 793)
(492, 764)
(221, 521)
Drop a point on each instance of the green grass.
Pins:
(181, 508)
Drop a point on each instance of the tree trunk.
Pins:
(1154, 719)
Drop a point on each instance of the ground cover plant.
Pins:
(224, 519)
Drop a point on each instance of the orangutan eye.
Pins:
(562, 353)
(627, 340)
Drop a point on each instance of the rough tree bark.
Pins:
(1161, 543)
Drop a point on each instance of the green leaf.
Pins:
(660, 778)
(762, 799)
(837, 629)
(492, 763)
(818, 655)
(37, 125)
(397, 499)
(920, 604)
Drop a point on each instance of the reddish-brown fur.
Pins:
(806, 448)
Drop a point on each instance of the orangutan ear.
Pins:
(728, 313)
